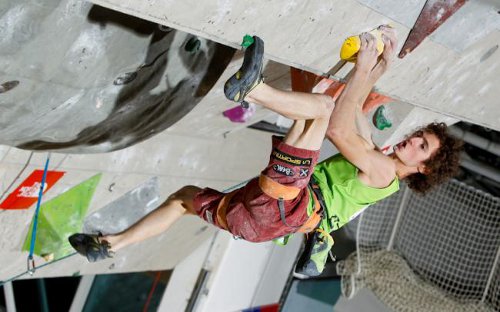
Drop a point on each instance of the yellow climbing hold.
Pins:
(351, 45)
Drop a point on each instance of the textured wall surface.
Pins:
(452, 72)
(94, 80)
(172, 159)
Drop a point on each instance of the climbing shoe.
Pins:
(249, 75)
(91, 246)
(313, 259)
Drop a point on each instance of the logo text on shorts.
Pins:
(283, 170)
(296, 161)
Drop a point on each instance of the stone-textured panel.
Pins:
(308, 35)
(94, 80)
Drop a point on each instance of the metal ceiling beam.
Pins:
(480, 168)
(476, 140)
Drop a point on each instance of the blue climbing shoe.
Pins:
(91, 246)
(249, 75)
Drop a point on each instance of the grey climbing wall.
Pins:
(82, 78)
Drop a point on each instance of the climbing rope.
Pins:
(31, 260)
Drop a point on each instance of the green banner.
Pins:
(59, 218)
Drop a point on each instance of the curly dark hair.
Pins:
(442, 165)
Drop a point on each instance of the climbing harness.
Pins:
(282, 192)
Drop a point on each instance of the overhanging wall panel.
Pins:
(308, 35)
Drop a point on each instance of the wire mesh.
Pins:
(448, 242)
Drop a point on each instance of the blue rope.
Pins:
(35, 219)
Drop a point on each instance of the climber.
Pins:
(294, 193)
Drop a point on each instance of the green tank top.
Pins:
(344, 194)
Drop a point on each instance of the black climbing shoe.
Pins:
(91, 246)
(249, 75)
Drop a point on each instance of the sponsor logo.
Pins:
(283, 170)
(31, 191)
(304, 172)
(335, 220)
(296, 161)
(26, 194)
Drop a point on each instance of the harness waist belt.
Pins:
(277, 190)
(282, 192)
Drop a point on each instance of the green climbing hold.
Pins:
(380, 119)
(247, 41)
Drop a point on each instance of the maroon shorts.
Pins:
(253, 215)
